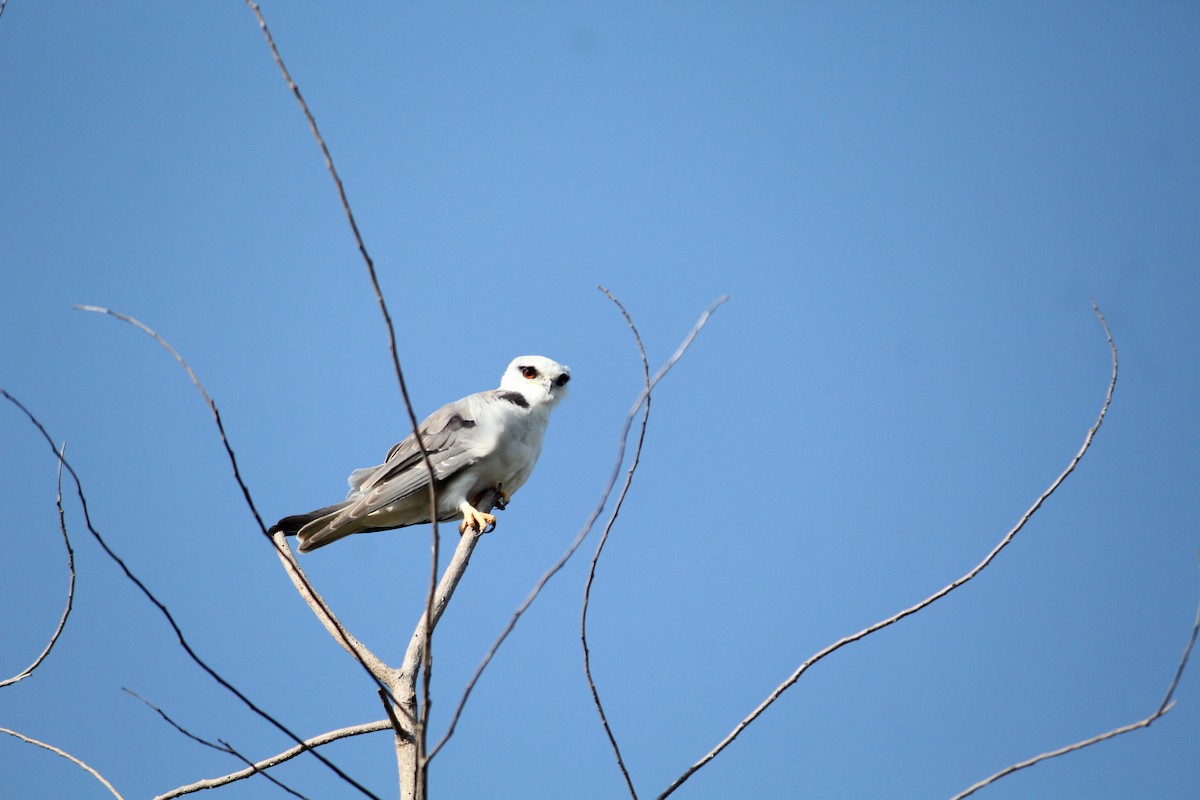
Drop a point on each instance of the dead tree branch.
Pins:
(938, 595)
(422, 722)
(220, 745)
(287, 755)
(68, 757)
(162, 608)
(62, 621)
(1168, 702)
(604, 495)
(587, 588)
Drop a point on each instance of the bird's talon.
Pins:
(474, 519)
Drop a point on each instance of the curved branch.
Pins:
(286, 755)
(587, 588)
(68, 757)
(423, 719)
(1166, 705)
(162, 608)
(337, 630)
(938, 595)
(604, 495)
(62, 622)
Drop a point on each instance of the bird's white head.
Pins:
(539, 380)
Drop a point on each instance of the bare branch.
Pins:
(320, 608)
(1166, 705)
(62, 622)
(221, 745)
(938, 595)
(67, 756)
(450, 579)
(423, 719)
(604, 495)
(587, 589)
(183, 642)
(287, 755)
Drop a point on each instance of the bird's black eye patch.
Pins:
(562, 380)
(528, 373)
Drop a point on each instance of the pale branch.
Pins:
(587, 589)
(604, 495)
(1168, 702)
(451, 576)
(938, 595)
(220, 745)
(347, 641)
(68, 757)
(287, 755)
(62, 621)
(162, 608)
(325, 616)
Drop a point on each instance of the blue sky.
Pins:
(909, 205)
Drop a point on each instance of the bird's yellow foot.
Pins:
(474, 519)
(505, 497)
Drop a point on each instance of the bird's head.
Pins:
(538, 379)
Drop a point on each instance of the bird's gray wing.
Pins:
(448, 435)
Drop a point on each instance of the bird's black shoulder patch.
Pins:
(458, 421)
(516, 398)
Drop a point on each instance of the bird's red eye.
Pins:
(528, 373)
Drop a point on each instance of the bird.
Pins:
(485, 442)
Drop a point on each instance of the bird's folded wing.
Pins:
(450, 439)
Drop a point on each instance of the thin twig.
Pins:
(604, 495)
(62, 621)
(129, 574)
(287, 755)
(1166, 705)
(391, 334)
(938, 595)
(222, 747)
(326, 615)
(587, 588)
(68, 757)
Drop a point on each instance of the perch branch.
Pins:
(512, 623)
(68, 757)
(1168, 702)
(62, 622)
(938, 595)
(320, 608)
(587, 588)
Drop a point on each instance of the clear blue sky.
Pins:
(909, 204)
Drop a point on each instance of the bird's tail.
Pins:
(312, 528)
